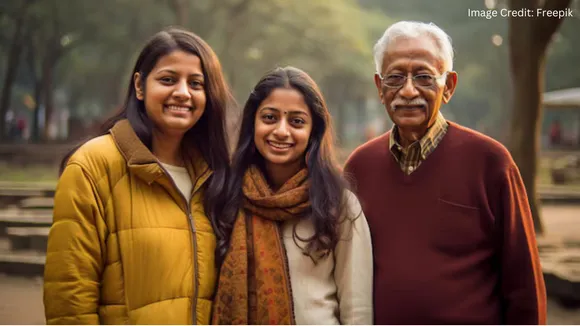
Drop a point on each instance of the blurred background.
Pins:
(65, 65)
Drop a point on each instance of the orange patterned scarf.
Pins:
(254, 283)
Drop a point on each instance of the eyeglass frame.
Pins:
(434, 77)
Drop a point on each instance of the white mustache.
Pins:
(414, 102)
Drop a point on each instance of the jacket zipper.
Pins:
(195, 273)
(193, 245)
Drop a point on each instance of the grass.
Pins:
(30, 173)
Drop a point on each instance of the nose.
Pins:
(408, 90)
(282, 129)
(181, 91)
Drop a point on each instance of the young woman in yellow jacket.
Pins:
(133, 237)
(300, 247)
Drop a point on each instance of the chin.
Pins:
(175, 129)
(410, 124)
(181, 124)
(277, 160)
(280, 161)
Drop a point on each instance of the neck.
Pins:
(409, 136)
(278, 174)
(167, 148)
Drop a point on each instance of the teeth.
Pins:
(178, 108)
(280, 145)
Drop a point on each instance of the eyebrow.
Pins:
(278, 110)
(414, 69)
(175, 72)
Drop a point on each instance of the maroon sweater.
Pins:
(454, 241)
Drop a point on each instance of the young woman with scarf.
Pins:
(299, 250)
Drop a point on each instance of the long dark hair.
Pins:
(208, 135)
(327, 184)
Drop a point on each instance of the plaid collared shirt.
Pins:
(410, 158)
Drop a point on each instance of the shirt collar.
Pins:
(427, 143)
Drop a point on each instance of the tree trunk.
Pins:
(47, 92)
(12, 67)
(526, 121)
(36, 117)
(33, 73)
(528, 41)
(181, 11)
(336, 88)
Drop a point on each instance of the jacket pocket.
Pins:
(457, 228)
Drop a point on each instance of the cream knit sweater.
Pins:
(338, 288)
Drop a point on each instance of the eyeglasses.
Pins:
(422, 80)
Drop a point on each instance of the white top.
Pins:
(181, 178)
(339, 288)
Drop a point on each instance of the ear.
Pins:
(450, 84)
(378, 84)
(138, 86)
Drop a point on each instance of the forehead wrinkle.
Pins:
(422, 50)
(410, 64)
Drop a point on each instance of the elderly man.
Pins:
(453, 238)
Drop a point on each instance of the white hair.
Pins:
(413, 29)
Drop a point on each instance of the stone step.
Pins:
(31, 257)
(560, 259)
(12, 216)
(550, 194)
(13, 193)
(36, 202)
(40, 231)
(28, 238)
(22, 263)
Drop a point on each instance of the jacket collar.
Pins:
(145, 165)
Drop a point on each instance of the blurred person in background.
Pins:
(300, 248)
(135, 221)
(555, 133)
(453, 237)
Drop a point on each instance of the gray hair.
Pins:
(412, 29)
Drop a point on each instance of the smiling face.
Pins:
(174, 93)
(412, 107)
(282, 125)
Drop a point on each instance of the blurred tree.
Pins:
(329, 40)
(96, 51)
(180, 9)
(85, 49)
(96, 73)
(19, 11)
(563, 52)
(528, 42)
(54, 30)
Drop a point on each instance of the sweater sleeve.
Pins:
(353, 272)
(522, 284)
(74, 260)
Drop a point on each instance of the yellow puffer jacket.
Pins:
(124, 247)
